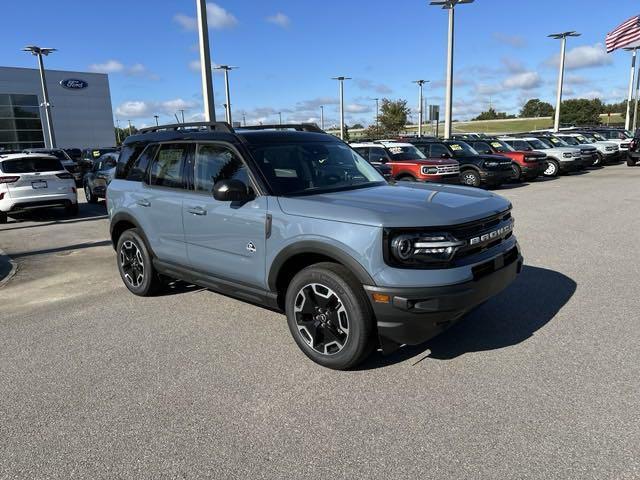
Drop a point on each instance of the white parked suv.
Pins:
(31, 181)
(607, 151)
(559, 159)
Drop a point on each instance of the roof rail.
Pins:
(213, 126)
(300, 127)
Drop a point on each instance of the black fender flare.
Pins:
(318, 247)
(126, 217)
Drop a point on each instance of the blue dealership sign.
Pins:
(73, 84)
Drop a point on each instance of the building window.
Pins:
(20, 124)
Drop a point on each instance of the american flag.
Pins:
(625, 35)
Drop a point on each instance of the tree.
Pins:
(580, 111)
(357, 126)
(393, 115)
(122, 133)
(346, 133)
(536, 108)
(491, 114)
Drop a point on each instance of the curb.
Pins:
(7, 268)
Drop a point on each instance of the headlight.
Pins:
(567, 155)
(610, 149)
(418, 248)
(429, 170)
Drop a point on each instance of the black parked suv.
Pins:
(475, 170)
(633, 156)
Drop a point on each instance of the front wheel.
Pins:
(630, 161)
(91, 198)
(517, 172)
(552, 169)
(329, 316)
(406, 178)
(470, 178)
(599, 160)
(135, 266)
(3, 217)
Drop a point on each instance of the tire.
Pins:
(630, 161)
(91, 198)
(322, 301)
(72, 209)
(552, 169)
(135, 265)
(517, 172)
(470, 178)
(3, 217)
(599, 160)
(406, 178)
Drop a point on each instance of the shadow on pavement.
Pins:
(66, 248)
(52, 216)
(512, 317)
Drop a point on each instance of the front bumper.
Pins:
(495, 177)
(589, 160)
(414, 315)
(449, 178)
(532, 170)
(570, 165)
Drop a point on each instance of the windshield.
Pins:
(309, 168)
(537, 144)
(584, 139)
(461, 149)
(408, 152)
(59, 154)
(570, 140)
(501, 146)
(597, 136)
(30, 165)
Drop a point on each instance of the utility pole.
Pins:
(129, 127)
(563, 46)
(341, 83)
(280, 115)
(156, 117)
(244, 119)
(449, 5)
(226, 69)
(322, 117)
(420, 103)
(118, 132)
(39, 52)
(377, 113)
(182, 112)
(205, 62)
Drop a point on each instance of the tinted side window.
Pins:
(127, 158)
(363, 152)
(137, 172)
(166, 169)
(482, 147)
(437, 150)
(377, 154)
(214, 163)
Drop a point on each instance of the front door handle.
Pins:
(144, 202)
(197, 211)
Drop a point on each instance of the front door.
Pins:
(224, 239)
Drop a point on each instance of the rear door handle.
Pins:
(197, 211)
(144, 202)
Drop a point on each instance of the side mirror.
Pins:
(445, 155)
(231, 191)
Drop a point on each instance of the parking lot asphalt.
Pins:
(541, 382)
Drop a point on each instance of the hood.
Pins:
(429, 161)
(408, 205)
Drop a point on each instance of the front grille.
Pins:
(476, 229)
(444, 169)
(624, 145)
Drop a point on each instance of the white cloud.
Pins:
(279, 19)
(110, 66)
(584, 56)
(515, 41)
(133, 109)
(217, 18)
(141, 108)
(522, 81)
(357, 108)
(366, 84)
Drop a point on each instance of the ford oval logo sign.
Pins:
(73, 84)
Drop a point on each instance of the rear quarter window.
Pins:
(127, 158)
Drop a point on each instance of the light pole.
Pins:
(377, 113)
(39, 52)
(129, 127)
(182, 112)
(322, 117)
(449, 5)
(420, 103)
(205, 62)
(117, 131)
(634, 52)
(563, 42)
(226, 69)
(244, 119)
(341, 82)
(156, 117)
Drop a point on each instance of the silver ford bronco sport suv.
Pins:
(293, 219)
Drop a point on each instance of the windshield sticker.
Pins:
(496, 144)
(395, 150)
(96, 153)
(554, 140)
(455, 147)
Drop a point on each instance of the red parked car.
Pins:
(526, 165)
(408, 163)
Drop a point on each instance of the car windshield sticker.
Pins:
(554, 140)
(455, 146)
(96, 153)
(395, 150)
(496, 144)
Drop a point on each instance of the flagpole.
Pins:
(627, 120)
(635, 108)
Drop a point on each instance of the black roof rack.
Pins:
(213, 126)
(300, 127)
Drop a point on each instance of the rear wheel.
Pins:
(329, 316)
(135, 266)
(470, 178)
(517, 172)
(91, 198)
(3, 217)
(551, 169)
(599, 160)
(406, 178)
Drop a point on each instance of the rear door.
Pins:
(224, 239)
(159, 202)
(36, 177)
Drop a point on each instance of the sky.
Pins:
(287, 51)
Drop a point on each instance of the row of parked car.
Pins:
(480, 160)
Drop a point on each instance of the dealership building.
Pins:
(80, 105)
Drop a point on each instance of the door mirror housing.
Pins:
(231, 191)
(445, 155)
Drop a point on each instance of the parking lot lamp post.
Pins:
(226, 69)
(322, 117)
(129, 127)
(205, 62)
(341, 87)
(280, 115)
(635, 106)
(563, 45)
(420, 103)
(156, 117)
(634, 52)
(377, 100)
(39, 52)
(449, 5)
